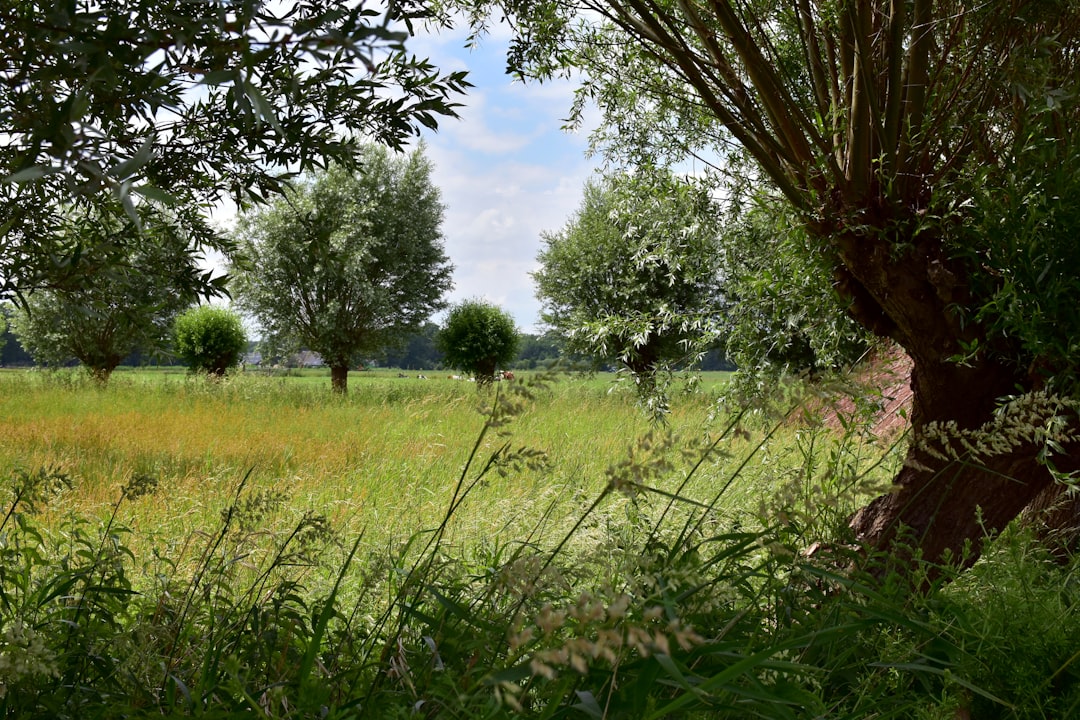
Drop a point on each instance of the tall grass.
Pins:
(379, 458)
(667, 577)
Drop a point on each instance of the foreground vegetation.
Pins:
(204, 549)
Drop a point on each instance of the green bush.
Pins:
(478, 338)
(209, 339)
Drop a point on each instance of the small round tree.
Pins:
(478, 337)
(209, 339)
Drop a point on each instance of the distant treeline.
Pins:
(418, 352)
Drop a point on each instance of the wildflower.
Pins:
(23, 654)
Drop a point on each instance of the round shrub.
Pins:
(478, 338)
(209, 339)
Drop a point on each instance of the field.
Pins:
(420, 548)
(385, 459)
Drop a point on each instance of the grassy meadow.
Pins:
(172, 546)
(384, 459)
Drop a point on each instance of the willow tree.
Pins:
(128, 301)
(928, 149)
(189, 103)
(634, 275)
(346, 262)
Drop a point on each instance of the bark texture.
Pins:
(339, 378)
(944, 506)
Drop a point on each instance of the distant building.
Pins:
(308, 359)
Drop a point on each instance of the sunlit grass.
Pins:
(384, 459)
(307, 555)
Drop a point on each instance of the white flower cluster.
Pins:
(1037, 419)
(23, 654)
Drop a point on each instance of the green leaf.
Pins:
(127, 168)
(154, 193)
(262, 106)
(30, 173)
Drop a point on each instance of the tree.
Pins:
(634, 274)
(347, 262)
(11, 350)
(128, 303)
(543, 350)
(929, 151)
(419, 351)
(783, 316)
(209, 339)
(189, 103)
(478, 338)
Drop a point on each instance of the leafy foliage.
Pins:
(208, 98)
(634, 278)
(419, 351)
(347, 262)
(541, 351)
(129, 301)
(209, 339)
(1024, 231)
(634, 275)
(784, 315)
(478, 337)
(189, 103)
(950, 183)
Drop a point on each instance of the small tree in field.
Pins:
(478, 338)
(634, 275)
(209, 339)
(347, 263)
(128, 303)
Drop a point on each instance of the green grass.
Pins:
(259, 546)
(382, 458)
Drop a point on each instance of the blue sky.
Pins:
(506, 169)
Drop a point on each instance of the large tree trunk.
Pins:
(339, 378)
(943, 507)
(944, 500)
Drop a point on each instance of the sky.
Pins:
(506, 170)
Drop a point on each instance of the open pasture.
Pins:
(592, 570)
(385, 459)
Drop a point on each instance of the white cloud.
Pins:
(507, 172)
(474, 132)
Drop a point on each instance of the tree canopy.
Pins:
(347, 262)
(127, 303)
(189, 103)
(782, 315)
(634, 276)
(928, 150)
(418, 352)
(478, 338)
(209, 339)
